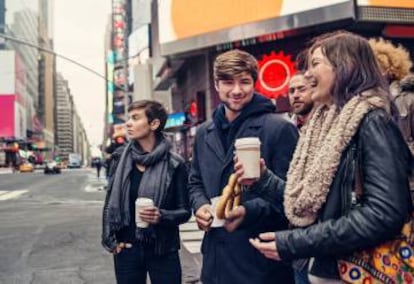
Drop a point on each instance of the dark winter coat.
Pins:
(228, 257)
(174, 208)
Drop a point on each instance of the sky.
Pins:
(79, 33)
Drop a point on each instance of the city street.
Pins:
(50, 230)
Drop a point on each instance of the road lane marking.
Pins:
(6, 195)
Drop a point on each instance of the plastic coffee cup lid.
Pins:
(144, 201)
(247, 141)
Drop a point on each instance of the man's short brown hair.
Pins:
(234, 62)
(153, 110)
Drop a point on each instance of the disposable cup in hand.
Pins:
(248, 153)
(141, 203)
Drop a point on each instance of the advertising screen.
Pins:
(175, 119)
(183, 19)
(8, 71)
(387, 3)
(7, 116)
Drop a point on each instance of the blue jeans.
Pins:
(133, 264)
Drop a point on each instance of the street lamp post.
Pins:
(21, 41)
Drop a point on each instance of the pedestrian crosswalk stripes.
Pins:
(5, 171)
(7, 195)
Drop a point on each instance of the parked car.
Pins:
(52, 167)
(26, 167)
(75, 161)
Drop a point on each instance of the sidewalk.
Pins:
(191, 266)
(190, 254)
(94, 181)
(5, 171)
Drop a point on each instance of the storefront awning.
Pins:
(166, 75)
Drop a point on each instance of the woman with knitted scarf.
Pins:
(350, 138)
(146, 167)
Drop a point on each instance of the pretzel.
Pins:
(229, 199)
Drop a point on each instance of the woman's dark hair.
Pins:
(354, 64)
(301, 61)
(153, 110)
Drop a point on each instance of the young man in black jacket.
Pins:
(146, 167)
(228, 257)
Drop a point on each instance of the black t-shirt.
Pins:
(127, 234)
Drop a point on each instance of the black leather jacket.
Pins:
(175, 209)
(385, 204)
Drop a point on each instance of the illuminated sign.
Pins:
(180, 28)
(275, 71)
(175, 119)
(181, 18)
(387, 3)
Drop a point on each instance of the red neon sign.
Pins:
(275, 71)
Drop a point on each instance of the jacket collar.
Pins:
(214, 143)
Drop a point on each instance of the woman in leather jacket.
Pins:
(146, 167)
(350, 138)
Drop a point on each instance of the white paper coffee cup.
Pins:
(248, 153)
(140, 203)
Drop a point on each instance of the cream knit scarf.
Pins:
(318, 154)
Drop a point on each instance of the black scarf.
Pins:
(156, 164)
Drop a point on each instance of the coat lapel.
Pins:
(214, 143)
(251, 128)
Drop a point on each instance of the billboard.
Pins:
(120, 54)
(231, 20)
(175, 120)
(138, 49)
(8, 72)
(13, 122)
(387, 3)
(7, 115)
(110, 83)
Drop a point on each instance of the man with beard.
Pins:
(227, 256)
(300, 98)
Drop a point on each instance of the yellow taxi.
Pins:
(26, 167)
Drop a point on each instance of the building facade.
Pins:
(64, 131)
(47, 71)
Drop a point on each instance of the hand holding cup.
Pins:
(145, 212)
(150, 215)
(248, 155)
(239, 171)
